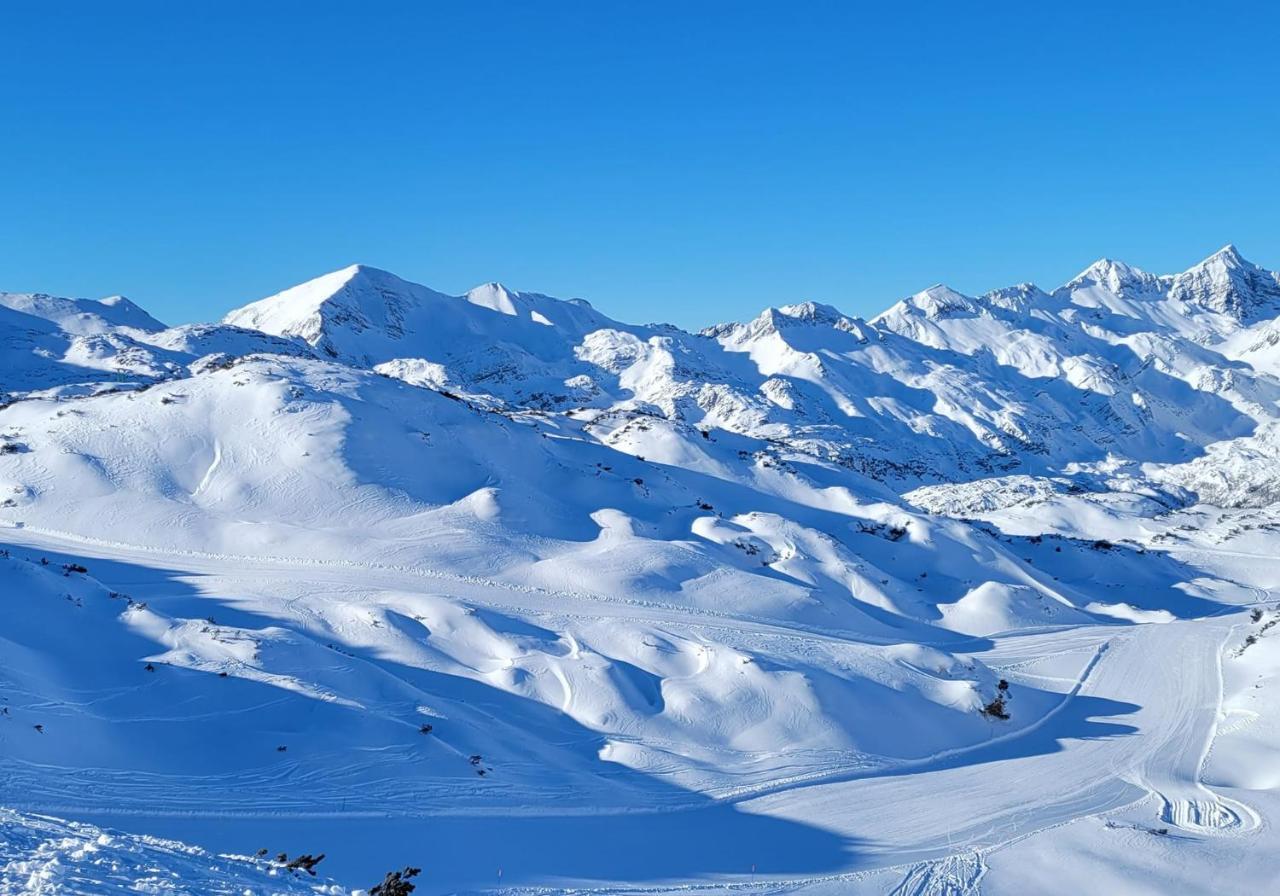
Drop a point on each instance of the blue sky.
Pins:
(690, 162)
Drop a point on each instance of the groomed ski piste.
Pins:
(979, 596)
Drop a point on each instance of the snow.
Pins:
(1227, 283)
(41, 855)
(492, 581)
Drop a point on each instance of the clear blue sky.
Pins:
(691, 161)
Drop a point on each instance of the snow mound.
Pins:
(992, 608)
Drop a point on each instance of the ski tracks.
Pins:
(955, 875)
(1194, 807)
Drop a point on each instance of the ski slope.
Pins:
(537, 601)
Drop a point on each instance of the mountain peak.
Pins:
(353, 299)
(82, 316)
(1018, 297)
(1229, 253)
(1116, 276)
(1227, 257)
(357, 271)
(366, 315)
(1227, 283)
(941, 300)
(812, 311)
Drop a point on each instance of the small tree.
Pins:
(306, 862)
(396, 883)
(996, 709)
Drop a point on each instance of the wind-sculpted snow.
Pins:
(501, 568)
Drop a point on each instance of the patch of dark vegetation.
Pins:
(998, 708)
(1256, 616)
(892, 533)
(396, 883)
(305, 862)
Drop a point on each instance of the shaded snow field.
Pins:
(492, 585)
(39, 854)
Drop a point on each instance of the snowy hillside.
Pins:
(497, 586)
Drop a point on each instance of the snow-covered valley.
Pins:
(980, 595)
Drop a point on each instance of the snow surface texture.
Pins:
(499, 587)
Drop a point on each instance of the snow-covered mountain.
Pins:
(367, 549)
(942, 387)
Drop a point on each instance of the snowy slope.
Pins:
(39, 854)
(545, 584)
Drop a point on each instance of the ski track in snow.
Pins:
(1186, 801)
(213, 469)
(956, 875)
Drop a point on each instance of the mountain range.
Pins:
(626, 607)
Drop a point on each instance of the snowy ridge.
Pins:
(365, 550)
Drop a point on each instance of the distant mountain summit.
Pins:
(82, 316)
(1226, 283)
(369, 315)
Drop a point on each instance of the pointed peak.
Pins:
(1115, 276)
(326, 285)
(1228, 256)
(1228, 284)
(937, 301)
(1105, 267)
(357, 297)
(779, 321)
(366, 272)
